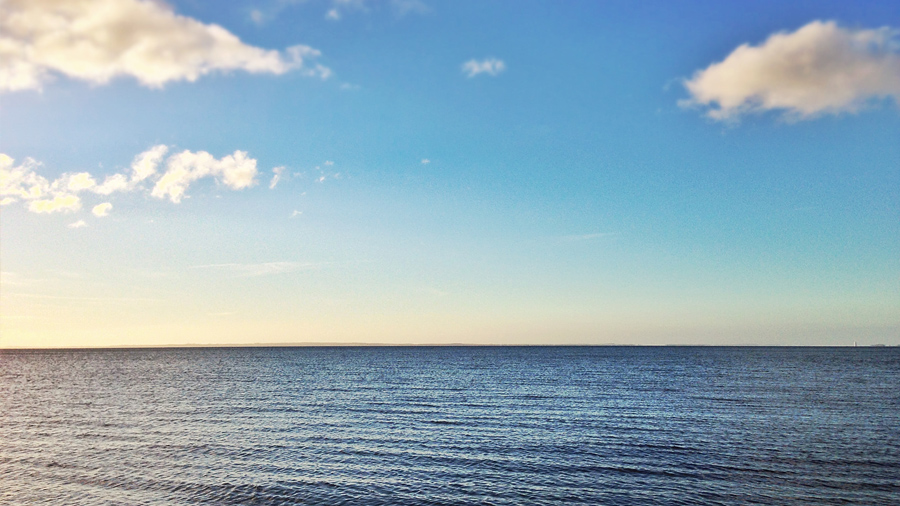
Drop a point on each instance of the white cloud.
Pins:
(64, 202)
(78, 182)
(490, 66)
(113, 183)
(821, 68)
(98, 40)
(146, 163)
(277, 171)
(77, 224)
(296, 213)
(22, 181)
(101, 210)
(425, 161)
(328, 163)
(236, 171)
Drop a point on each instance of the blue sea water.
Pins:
(451, 426)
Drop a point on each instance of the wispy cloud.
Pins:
(8, 279)
(99, 40)
(425, 161)
(323, 175)
(81, 298)
(101, 210)
(403, 7)
(78, 224)
(257, 16)
(588, 237)
(489, 66)
(276, 177)
(339, 8)
(261, 269)
(821, 68)
(222, 313)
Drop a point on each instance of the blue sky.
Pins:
(450, 172)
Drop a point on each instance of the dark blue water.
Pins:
(411, 426)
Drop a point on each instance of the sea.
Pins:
(451, 425)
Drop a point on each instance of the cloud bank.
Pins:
(164, 179)
(821, 68)
(489, 66)
(98, 40)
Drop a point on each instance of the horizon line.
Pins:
(431, 345)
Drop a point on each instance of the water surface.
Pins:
(451, 425)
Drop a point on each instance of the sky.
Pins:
(437, 172)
